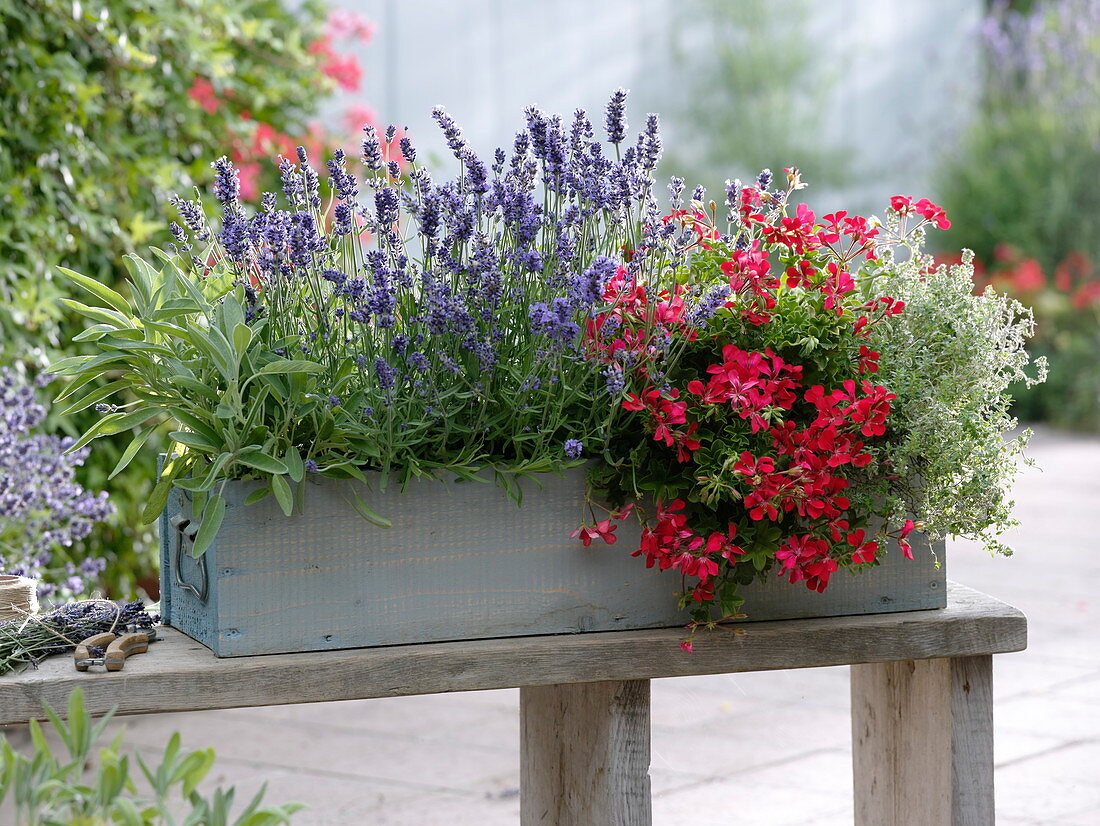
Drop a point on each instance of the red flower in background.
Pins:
(265, 143)
(202, 92)
(1024, 277)
(344, 69)
(1028, 277)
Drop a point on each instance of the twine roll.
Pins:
(18, 597)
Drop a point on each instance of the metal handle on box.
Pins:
(180, 523)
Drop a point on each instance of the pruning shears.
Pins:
(92, 651)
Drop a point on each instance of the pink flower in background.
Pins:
(348, 24)
(356, 116)
(202, 92)
(346, 71)
(249, 175)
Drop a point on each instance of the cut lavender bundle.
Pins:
(28, 641)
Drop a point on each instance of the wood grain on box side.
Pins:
(178, 674)
(461, 561)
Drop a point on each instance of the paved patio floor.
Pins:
(767, 748)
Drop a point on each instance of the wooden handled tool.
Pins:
(135, 642)
(83, 655)
(123, 647)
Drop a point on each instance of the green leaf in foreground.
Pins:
(283, 494)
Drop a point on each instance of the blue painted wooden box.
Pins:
(460, 562)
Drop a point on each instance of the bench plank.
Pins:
(178, 674)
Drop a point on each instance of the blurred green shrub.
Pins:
(1066, 304)
(1022, 191)
(42, 789)
(107, 107)
(755, 83)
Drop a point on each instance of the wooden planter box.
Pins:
(460, 562)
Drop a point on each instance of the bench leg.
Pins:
(584, 754)
(922, 742)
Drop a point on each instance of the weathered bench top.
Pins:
(178, 674)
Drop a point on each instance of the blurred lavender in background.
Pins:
(1048, 52)
(44, 512)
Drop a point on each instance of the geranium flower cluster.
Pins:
(44, 511)
(752, 420)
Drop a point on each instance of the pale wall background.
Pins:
(891, 81)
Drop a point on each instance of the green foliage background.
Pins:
(97, 130)
(753, 87)
(1025, 175)
(86, 783)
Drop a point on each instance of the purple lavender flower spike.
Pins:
(386, 206)
(616, 116)
(477, 176)
(536, 128)
(580, 132)
(708, 305)
(573, 448)
(675, 192)
(311, 184)
(342, 215)
(408, 151)
(292, 183)
(191, 214)
(234, 235)
(304, 240)
(451, 131)
(650, 144)
(343, 182)
(615, 381)
(385, 374)
(589, 287)
(372, 149)
(733, 192)
(227, 186)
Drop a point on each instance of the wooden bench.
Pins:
(922, 714)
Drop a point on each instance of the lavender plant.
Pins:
(44, 511)
(381, 320)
